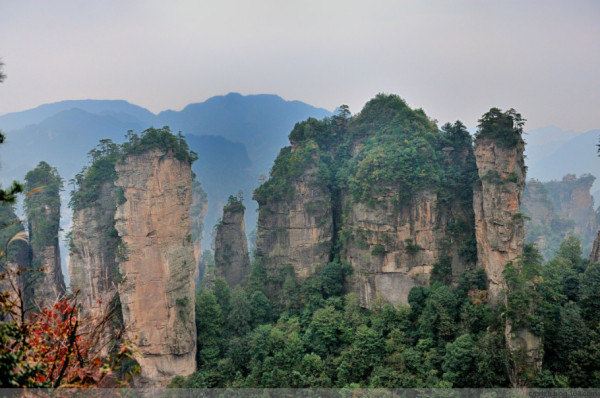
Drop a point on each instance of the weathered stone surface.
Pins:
(198, 212)
(391, 250)
(92, 262)
(595, 253)
(232, 261)
(497, 199)
(156, 261)
(297, 232)
(500, 238)
(45, 279)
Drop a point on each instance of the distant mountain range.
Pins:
(552, 153)
(236, 137)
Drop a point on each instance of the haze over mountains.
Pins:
(237, 138)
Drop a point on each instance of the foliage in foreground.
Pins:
(54, 348)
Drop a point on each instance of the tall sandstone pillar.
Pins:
(595, 254)
(497, 198)
(156, 260)
(499, 225)
(232, 261)
(92, 263)
(43, 281)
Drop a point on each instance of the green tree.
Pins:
(506, 128)
(460, 362)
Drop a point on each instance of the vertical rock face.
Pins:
(156, 261)
(384, 190)
(499, 225)
(92, 262)
(595, 254)
(232, 261)
(497, 199)
(296, 231)
(392, 250)
(44, 282)
(198, 212)
(557, 209)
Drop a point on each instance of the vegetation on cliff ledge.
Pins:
(105, 156)
(506, 128)
(386, 149)
(100, 170)
(161, 139)
(42, 204)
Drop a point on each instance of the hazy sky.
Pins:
(454, 59)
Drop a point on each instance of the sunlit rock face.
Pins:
(500, 235)
(497, 200)
(156, 262)
(232, 261)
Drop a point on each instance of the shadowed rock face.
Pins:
(595, 254)
(232, 261)
(198, 212)
(156, 261)
(496, 201)
(296, 232)
(17, 257)
(92, 263)
(44, 282)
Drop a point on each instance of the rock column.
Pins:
(156, 261)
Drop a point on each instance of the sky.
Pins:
(454, 59)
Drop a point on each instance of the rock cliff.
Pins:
(156, 257)
(92, 262)
(499, 224)
(557, 209)
(296, 232)
(198, 212)
(497, 199)
(595, 253)
(232, 261)
(44, 282)
(342, 191)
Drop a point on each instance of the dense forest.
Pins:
(314, 335)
